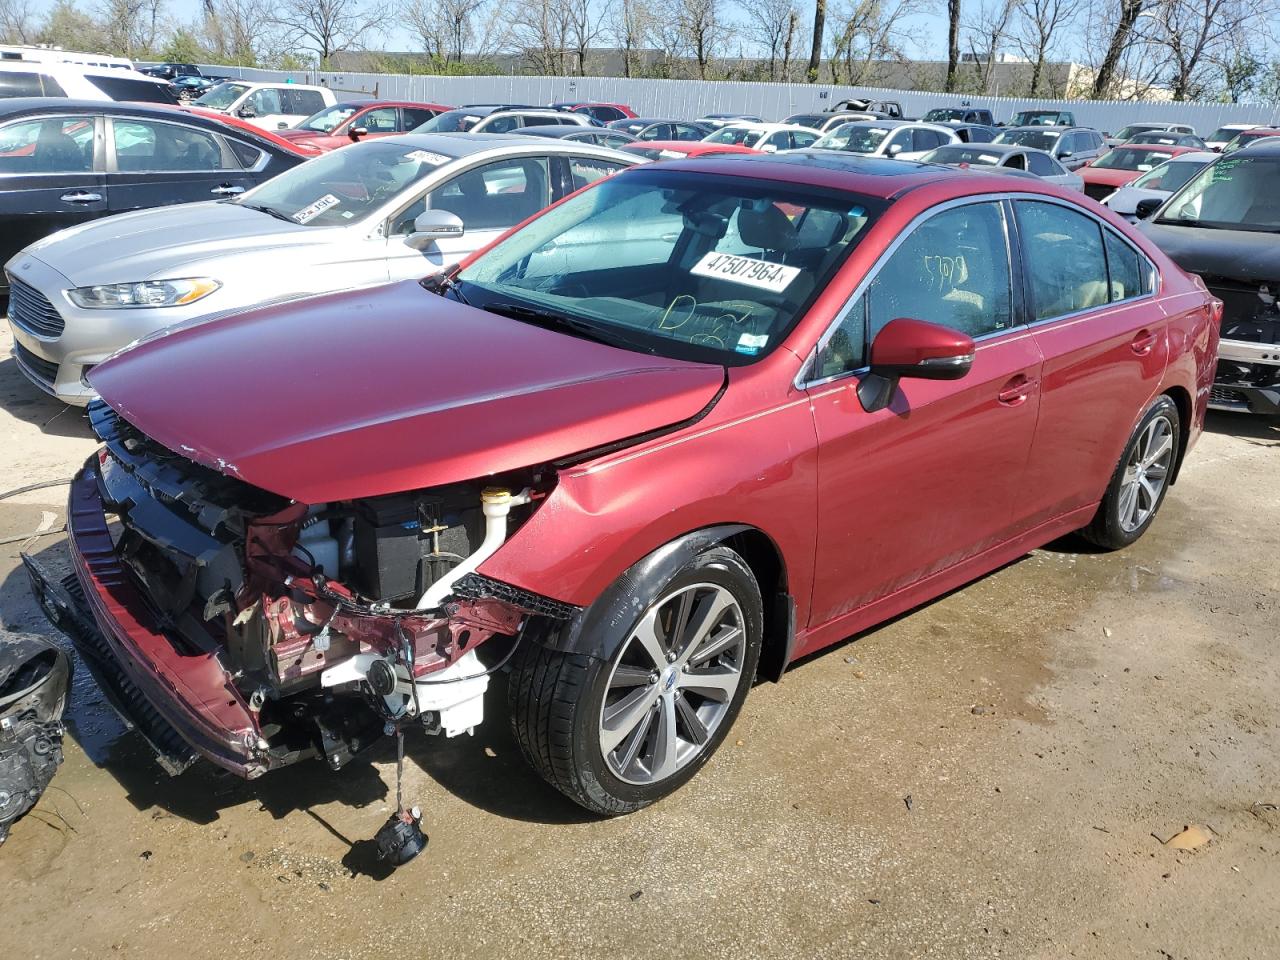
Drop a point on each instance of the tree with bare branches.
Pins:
(327, 27)
(451, 29)
(17, 21)
(867, 32)
(1037, 32)
(771, 25)
(819, 31)
(953, 45)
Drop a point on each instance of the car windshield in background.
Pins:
(1169, 176)
(343, 186)
(327, 119)
(943, 114)
(1161, 139)
(742, 136)
(971, 155)
(854, 138)
(1035, 118)
(222, 96)
(1133, 129)
(814, 120)
(1223, 134)
(674, 263)
(1233, 194)
(657, 153)
(1123, 159)
(451, 121)
(1037, 139)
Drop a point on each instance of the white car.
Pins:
(271, 106)
(1125, 134)
(394, 208)
(1226, 133)
(768, 137)
(1006, 158)
(897, 139)
(1158, 183)
(485, 118)
(43, 78)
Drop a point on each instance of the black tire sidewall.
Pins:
(1113, 531)
(718, 565)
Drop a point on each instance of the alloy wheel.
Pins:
(1146, 474)
(672, 683)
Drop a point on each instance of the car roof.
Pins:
(1047, 127)
(1258, 150)
(991, 147)
(458, 145)
(832, 169)
(16, 106)
(1151, 147)
(360, 104)
(561, 130)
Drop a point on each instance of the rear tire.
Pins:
(616, 735)
(1141, 479)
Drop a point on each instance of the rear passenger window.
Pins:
(1041, 164)
(1066, 265)
(587, 171)
(801, 139)
(416, 116)
(144, 146)
(1127, 269)
(304, 102)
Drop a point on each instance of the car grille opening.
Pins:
(44, 372)
(1226, 397)
(31, 310)
(1098, 191)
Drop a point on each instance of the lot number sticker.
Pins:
(749, 272)
(309, 213)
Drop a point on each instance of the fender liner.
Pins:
(597, 630)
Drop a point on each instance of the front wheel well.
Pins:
(765, 560)
(1182, 399)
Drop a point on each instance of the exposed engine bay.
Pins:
(1248, 376)
(295, 630)
(34, 679)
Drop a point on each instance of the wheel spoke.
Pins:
(1164, 445)
(680, 621)
(666, 742)
(717, 684)
(632, 747)
(1128, 499)
(1157, 471)
(697, 730)
(625, 675)
(710, 610)
(647, 636)
(714, 646)
(622, 717)
(1152, 492)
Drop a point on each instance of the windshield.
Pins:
(971, 155)
(1169, 176)
(1237, 193)
(853, 137)
(1031, 118)
(742, 136)
(345, 185)
(1244, 139)
(656, 153)
(1039, 139)
(328, 118)
(814, 120)
(451, 121)
(675, 263)
(1223, 134)
(1122, 158)
(1133, 129)
(943, 114)
(222, 96)
(1160, 139)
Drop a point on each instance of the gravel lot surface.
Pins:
(991, 775)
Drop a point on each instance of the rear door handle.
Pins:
(1142, 342)
(81, 196)
(227, 190)
(1016, 391)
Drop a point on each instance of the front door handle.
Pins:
(227, 190)
(1143, 342)
(1016, 391)
(81, 196)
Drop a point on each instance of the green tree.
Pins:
(68, 27)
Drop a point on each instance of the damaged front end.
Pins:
(1248, 375)
(265, 631)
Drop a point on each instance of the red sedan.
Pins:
(345, 123)
(1124, 164)
(683, 149)
(692, 423)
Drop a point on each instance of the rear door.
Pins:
(1105, 345)
(50, 177)
(936, 477)
(152, 163)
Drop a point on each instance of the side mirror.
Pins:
(433, 225)
(914, 349)
(1147, 207)
(769, 148)
(355, 133)
(1066, 155)
(895, 149)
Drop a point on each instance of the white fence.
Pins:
(772, 101)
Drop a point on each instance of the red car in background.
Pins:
(693, 422)
(603, 112)
(1122, 165)
(273, 136)
(345, 123)
(682, 149)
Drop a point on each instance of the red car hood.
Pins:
(377, 391)
(1109, 178)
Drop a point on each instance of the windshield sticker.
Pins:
(426, 156)
(747, 271)
(751, 342)
(309, 213)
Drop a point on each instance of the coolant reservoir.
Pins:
(318, 541)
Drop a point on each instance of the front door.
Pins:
(50, 178)
(152, 163)
(937, 477)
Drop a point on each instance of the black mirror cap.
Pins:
(1147, 207)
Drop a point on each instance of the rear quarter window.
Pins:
(305, 102)
(20, 85)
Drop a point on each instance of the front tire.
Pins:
(616, 735)
(1141, 479)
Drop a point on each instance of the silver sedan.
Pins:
(390, 209)
(1006, 158)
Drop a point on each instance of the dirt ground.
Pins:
(991, 775)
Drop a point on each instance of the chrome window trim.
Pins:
(801, 382)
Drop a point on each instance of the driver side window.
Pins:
(952, 270)
(495, 196)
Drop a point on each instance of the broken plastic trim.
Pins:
(475, 586)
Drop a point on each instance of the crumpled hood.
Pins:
(387, 389)
(1237, 254)
(165, 242)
